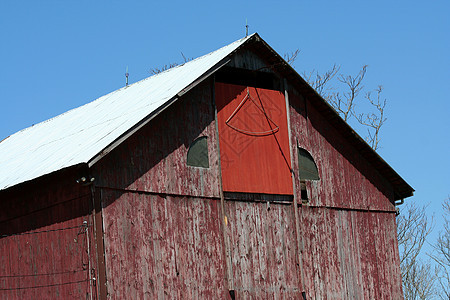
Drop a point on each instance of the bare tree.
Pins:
(419, 283)
(442, 253)
(342, 93)
(418, 276)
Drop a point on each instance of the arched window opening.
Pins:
(307, 166)
(197, 155)
(307, 170)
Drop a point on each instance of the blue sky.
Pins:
(58, 55)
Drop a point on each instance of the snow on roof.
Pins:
(81, 134)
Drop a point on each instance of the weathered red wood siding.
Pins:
(263, 250)
(348, 227)
(347, 180)
(44, 242)
(349, 255)
(163, 247)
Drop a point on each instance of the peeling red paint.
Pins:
(44, 247)
(163, 247)
(348, 227)
(263, 247)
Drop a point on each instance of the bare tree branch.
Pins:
(154, 71)
(320, 82)
(374, 120)
(343, 97)
(419, 283)
(345, 101)
(413, 228)
(291, 57)
(186, 59)
(442, 253)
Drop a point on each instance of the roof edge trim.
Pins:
(129, 133)
(399, 192)
(43, 177)
(150, 117)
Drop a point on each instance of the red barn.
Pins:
(225, 177)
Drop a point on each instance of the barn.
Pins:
(227, 177)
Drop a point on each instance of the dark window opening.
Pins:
(307, 166)
(197, 155)
(304, 192)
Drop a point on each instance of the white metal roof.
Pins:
(81, 134)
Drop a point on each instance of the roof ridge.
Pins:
(125, 87)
